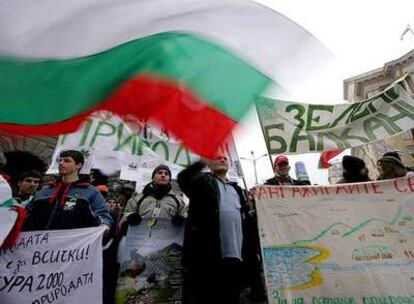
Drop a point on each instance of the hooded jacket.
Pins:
(67, 206)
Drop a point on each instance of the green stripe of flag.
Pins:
(49, 91)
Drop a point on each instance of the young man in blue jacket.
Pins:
(69, 203)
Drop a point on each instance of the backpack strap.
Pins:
(174, 197)
(139, 202)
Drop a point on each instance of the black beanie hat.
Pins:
(352, 163)
(392, 160)
(161, 167)
(393, 154)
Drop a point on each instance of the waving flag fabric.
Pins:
(195, 67)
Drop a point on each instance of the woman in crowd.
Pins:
(390, 166)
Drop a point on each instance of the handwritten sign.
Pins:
(62, 266)
(116, 143)
(291, 128)
(348, 243)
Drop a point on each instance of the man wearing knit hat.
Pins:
(155, 202)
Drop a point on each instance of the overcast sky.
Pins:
(362, 34)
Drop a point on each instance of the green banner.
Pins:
(293, 128)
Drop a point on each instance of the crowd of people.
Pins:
(389, 166)
(221, 238)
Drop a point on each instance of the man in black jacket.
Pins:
(216, 242)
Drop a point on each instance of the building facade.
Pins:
(42, 146)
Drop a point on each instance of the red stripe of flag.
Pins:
(198, 125)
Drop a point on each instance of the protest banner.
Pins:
(291, 128)
(130, 172)
(117, 143)
(151, 270)
(346, 243)
(61, 266)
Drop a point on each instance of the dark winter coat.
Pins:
(202, 244)
(67, 206)
(275, 181)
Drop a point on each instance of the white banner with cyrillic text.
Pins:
(134, 147)
(60, 266)
(345, 243)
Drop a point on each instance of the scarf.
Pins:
(157, 191)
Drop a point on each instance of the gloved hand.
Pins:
(85, 213)
(178, 220)
(134, 219)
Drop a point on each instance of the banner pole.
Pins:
(264, 137)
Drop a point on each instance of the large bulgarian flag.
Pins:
(193, 66)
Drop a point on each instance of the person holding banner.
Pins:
(216, 240)
(281, 169)
(155, 202)
(69, 203)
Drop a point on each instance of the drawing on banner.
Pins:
(351, 242)
(151, 271)
(294, 267)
